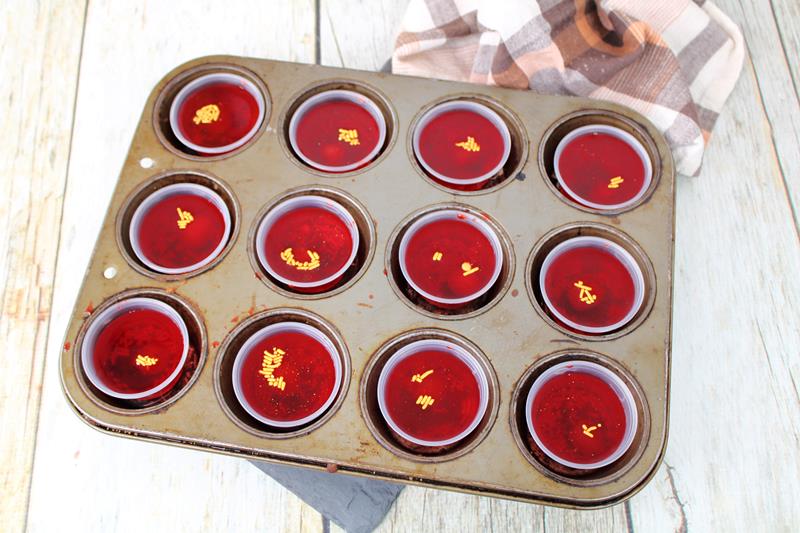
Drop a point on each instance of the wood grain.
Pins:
(39, 52)
(733, 462)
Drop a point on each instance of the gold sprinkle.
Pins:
(417, 378)
(272, 360)
(145, 360)
(588, 430)
(468, 268)
(288, 258)
(437, 256)
(206, 114)
(425, 401)
(585, 295)
(349, 136)
(469, 145)
(615, 181)
(184, 218)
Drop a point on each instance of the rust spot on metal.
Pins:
(259, 276)
(385, 272)
(370, 296)
(362, 304)
(90, 308)
(215, 344)
(514, 293)
(332, 468)
(67, 346)
(235, 319)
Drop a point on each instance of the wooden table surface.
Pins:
(73, 78)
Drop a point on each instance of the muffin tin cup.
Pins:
(629, 139)
(166, 192)
(617, 251)
(273, 329)
(438, 345)
(108, 315)
(608, 377)
(332, 95)
(297, 202)
(373, 312)
(452, 214)
(202, 81)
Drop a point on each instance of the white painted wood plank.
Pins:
(39, 51)
(787, 17)
(359, 33)
(94, 482)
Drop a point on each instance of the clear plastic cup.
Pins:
(106, 316)
(613, 381)
(462, 105)
(272, 329)
(208, 79)
(629, 139)
(334, 95)
(163, 193)
(617, 251)
(443, 346)
(295, 203)
(466, 218)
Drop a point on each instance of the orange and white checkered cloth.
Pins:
(674, 61)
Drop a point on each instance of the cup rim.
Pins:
(612, 380)
(440, 345)
(477, 108)
(623, 255)
(255, 338)
(111, 313)
(363, 101)
(623, 135)
(225, 77)
(165, 192)
(447, 214)
(304, 200)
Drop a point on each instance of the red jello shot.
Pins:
(180, 228)
(135, 349)
(432, 393)
(450, 257)
(337, 131)
(217, 113)
(287, 374)
(462, 144)
(603, 167)
(591, 284)
(581, 415)
(307, 242)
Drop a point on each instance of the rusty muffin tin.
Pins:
(373, 313)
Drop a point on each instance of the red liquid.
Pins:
(304, 230)
(437, 145)
(142, 332)
(238, 114)
(599, 269)
(452, 385)
(458, 242)
(589, 162)
(569, 401)
(317, 135)
(307, 371)
(164, 243)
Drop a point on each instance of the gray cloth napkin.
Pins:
(355, 504)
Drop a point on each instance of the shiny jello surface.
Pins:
(578, 417)
(337, 133)
(445, 145)
(298, 386)
(432, 395)
(180, 230)
(449, 258)
(217, 114)
(602, 169)
(590, 286)
(308, 244)
(137, 351)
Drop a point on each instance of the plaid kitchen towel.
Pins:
(674, 61)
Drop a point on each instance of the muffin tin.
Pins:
(373, 312)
